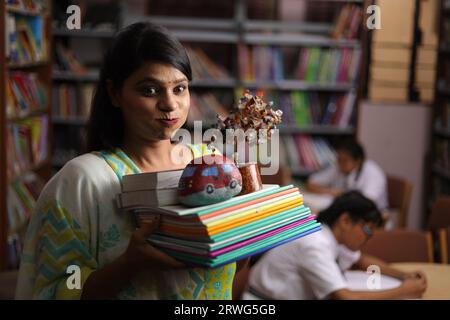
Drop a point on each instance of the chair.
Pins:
(444, 244)
(400, 246)
(440, 214)
(399, 195)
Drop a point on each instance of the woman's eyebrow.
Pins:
(160, 82)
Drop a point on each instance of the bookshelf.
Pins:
(74, 74)
(25, 111)
(241, 30)
(439, 167)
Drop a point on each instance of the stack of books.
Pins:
(153, 189)
(217, 234)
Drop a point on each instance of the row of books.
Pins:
(204, 67)
(314, 64)
(21, 199)
(205, 107)
(217, 234)
(27, 144)
(442, 152)
(25, 39)
(325, 65)
(302, 152)
(24, 94)
(72, 101)
(347, 22)
(66, 60)
(303, 109)
(29, 5)
(22, 196)
(260, 63)
(300, 109)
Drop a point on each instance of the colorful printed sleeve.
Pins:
(59, 249)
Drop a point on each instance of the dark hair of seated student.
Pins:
(357, 206)
(350, 155)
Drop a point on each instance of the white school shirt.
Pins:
(371, 181)
(307, 268)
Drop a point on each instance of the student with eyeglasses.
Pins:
(313, 267)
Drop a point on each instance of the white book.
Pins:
(151, 180)
(148, 198)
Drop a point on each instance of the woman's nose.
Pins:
(167, 102)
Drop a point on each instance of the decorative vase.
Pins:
(251, 177)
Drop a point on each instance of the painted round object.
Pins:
(209, 179)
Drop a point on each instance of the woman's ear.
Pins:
(113, 94)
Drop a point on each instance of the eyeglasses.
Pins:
(367, 230)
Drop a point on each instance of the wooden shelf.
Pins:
(42, 68)
(32, 167)
(69, 76)
(75, 121)
(317, 130)
(289, 85)
(83, 33)
(32, 64)
(25, 12)
(28, 115)
(297, 40)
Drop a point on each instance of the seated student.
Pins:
(353, 172)
(312, 267)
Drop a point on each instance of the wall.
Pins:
(397, 138)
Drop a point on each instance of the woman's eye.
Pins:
(180, 89)
(149, 91)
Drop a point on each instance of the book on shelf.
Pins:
(260, 63)
(22, 195)
(29, 5)
(205, 106)
(67, 61)
(25, 93)
(328, 66)
(72, 101)
(231, 230)
(26, 40)
(27, 144)
(203, 67)
(346, 25)
(305, 109)
(306, 153)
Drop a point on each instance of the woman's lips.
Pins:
(168, 122)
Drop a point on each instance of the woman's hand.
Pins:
(141, 255)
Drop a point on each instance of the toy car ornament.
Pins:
(209, 181)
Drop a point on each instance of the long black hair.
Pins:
(358, 207)
(132, 47)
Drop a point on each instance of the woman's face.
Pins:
(154, 102)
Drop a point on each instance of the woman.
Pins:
(142, 98)
(312, 267)
(353, 172)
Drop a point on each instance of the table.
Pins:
(438, 278)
